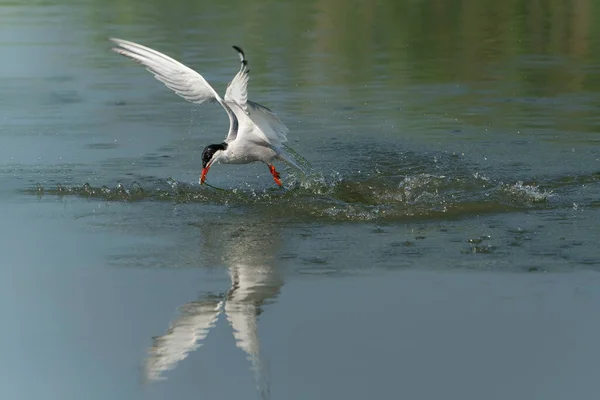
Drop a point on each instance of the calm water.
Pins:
(445, 244)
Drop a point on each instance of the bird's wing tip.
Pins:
(241, 53)
(119, 50)
(120, 43)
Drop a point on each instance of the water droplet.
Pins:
(120, 188)
(136, 188)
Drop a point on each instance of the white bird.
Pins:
(255, 132)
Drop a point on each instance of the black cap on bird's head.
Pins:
(208, 153)
(207, 157)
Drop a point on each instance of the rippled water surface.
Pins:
(444, 244)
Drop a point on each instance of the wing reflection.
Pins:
(184, 336)
(248, 252)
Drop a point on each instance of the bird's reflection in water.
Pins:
(248, 250)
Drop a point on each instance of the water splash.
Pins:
(134, 192)
(522, 194)
(385, 195)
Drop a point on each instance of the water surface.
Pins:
(444, 244)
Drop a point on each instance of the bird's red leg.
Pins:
(275, 174)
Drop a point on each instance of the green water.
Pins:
(444, 245)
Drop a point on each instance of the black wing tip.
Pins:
(241, 53)
(238, 49)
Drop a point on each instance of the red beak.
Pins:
(203, 176)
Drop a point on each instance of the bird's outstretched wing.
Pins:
(270, 127)
(237, 89)
(183, 80)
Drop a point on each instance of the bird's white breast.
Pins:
(243, 152)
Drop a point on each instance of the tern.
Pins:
(255, 132)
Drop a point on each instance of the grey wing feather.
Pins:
(183, 80)
(237, 89)
(268, 122)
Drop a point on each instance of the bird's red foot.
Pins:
(275, 175)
